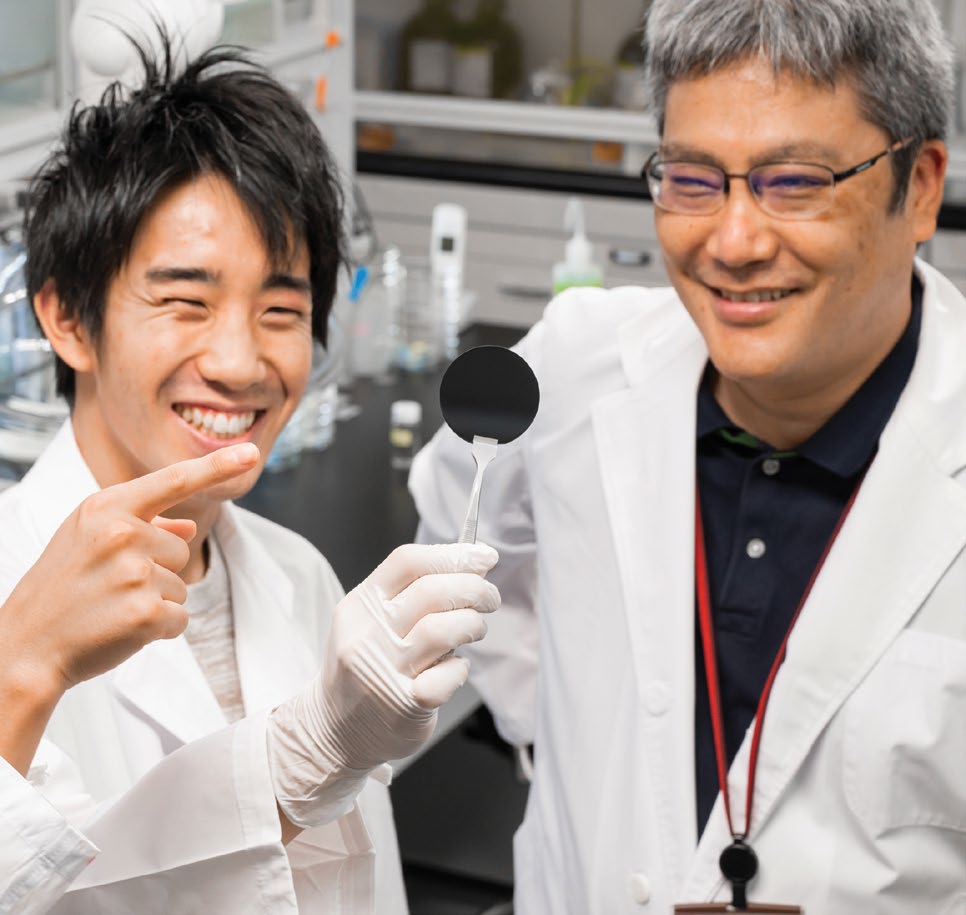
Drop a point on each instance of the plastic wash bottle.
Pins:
(578, 267)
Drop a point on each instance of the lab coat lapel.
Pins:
(163, 681)
(908, 524)
(645, 446)
(274, 660)
(58, 482)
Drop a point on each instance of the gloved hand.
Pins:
(387, 671)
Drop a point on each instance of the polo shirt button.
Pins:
(639, 888)
(657, 697)
(755, 548)
(770, 466)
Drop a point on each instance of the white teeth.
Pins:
(217, 424)
(762, 295)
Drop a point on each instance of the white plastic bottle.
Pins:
(405, 417)
(578, 268)
(447, 254)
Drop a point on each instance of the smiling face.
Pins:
(795, 313)
(204, 343)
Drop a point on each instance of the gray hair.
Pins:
(893, 52)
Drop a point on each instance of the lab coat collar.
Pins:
(274, 661)
(58, 482)
(163, 680)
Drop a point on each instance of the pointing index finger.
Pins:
(155, 492)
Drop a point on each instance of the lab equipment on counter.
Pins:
(405, 434)
(318, 404)
(489, 396)
(30, 409)
(375, 302)
(578, 267)
(434, 304)
(312, 426)
(447, 254)
(420, 336)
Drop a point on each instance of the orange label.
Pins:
(321, 92)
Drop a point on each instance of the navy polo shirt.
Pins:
(767, 517)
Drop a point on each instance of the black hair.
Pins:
(219, 114)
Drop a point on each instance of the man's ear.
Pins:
(63, 329)
(926, 188)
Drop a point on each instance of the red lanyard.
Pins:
(711, 667)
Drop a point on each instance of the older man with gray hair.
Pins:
(747, 494)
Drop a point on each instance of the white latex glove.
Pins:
(377, 695)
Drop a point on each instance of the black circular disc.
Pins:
(738, 862)
(490, 391)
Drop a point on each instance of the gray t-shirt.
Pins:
(211, 633)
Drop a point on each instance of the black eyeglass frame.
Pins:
(837, 177)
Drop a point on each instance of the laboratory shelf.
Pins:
(522, 118)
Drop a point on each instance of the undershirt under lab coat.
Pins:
(145, 767)
(860, 798)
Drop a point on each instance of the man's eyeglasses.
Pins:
(787, 190)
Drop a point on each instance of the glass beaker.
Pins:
(312, 426)
(317, 410)
(420, 321)
(376, 311)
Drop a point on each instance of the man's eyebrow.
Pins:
(187, 274)
(201, 275)
(806, 149)
(287, 281)
(675, 152)
(801, 151)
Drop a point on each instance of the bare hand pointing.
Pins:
(106, 585)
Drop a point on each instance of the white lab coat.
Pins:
(40, 852)
(179, 803)
(860, 799)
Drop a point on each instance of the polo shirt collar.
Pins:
(848, 440)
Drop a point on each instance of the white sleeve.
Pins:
(40, 852)
(199, 830)
(504, 663)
